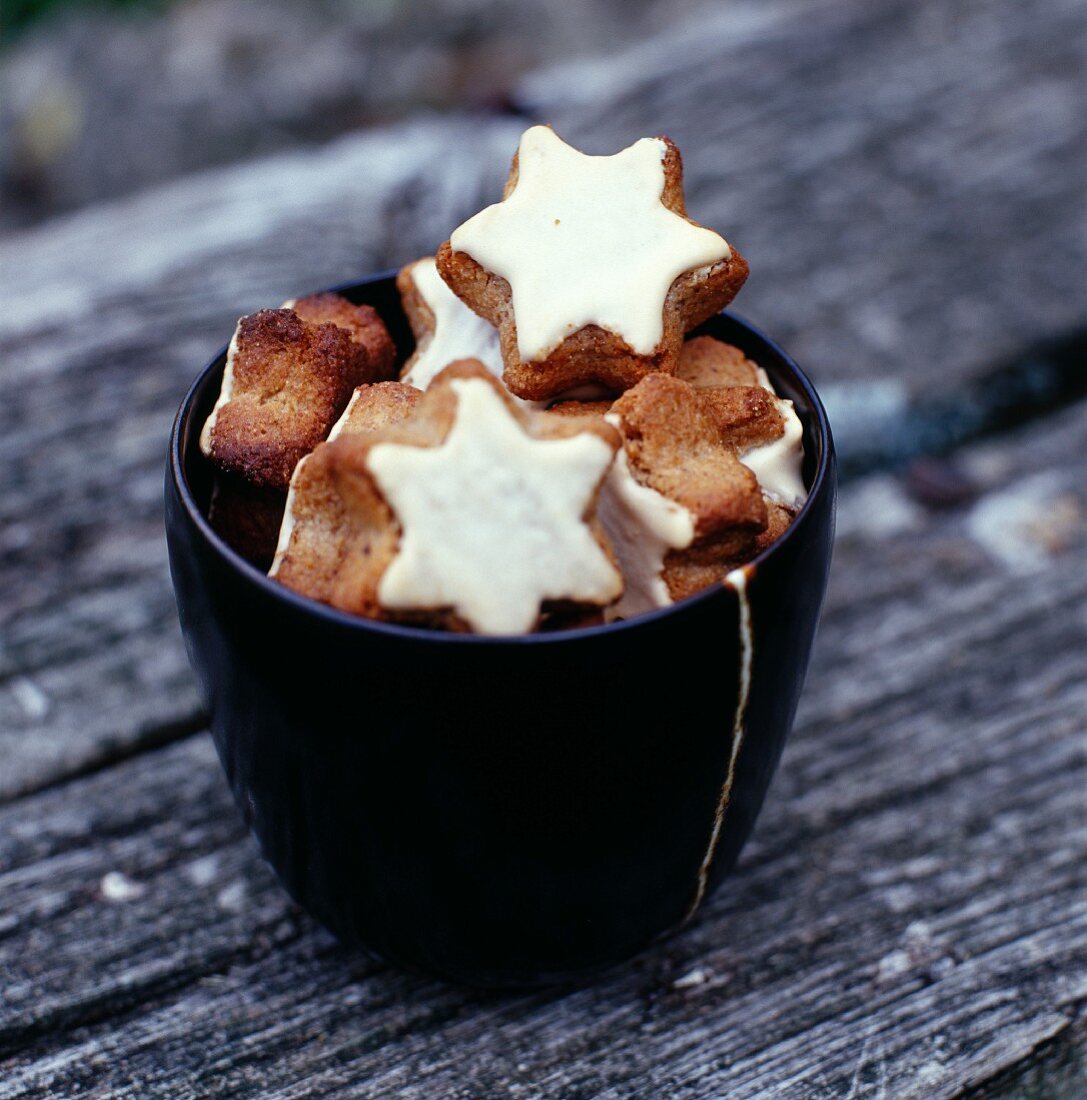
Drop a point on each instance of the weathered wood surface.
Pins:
(909, 921)
(910, 917)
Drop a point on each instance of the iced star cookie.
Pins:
(775, 459)
(445, 328)
(678, 495)
(679, 508)
(471, 514)
(362, 323)
(589, 267)
(317, 538)
(285, 384)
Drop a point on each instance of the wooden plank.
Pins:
(908, 921)
(111, 314)
(906, 179)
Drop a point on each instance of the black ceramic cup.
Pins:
(500, 811)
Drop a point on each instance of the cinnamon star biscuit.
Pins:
(471, 513)
(285, 384)
(589, 267)
(314, 520)
(678, 503)
(774, 456)
(445, 328)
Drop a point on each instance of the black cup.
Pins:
(500, 811)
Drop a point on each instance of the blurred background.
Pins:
(102, 97)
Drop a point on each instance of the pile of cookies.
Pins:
(555, 453)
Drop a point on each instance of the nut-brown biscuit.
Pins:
(286, 383)
(689, 571)
(778, 519)
(363, 323)
(376, 406)
(594, 351)
(419, 496)
(338, 535)
(372, 407)
(750, 417)
(709, 363)
(748, 421)
(681, 445)
(746, 416)
(675, 444)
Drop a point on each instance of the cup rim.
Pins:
(250, 575)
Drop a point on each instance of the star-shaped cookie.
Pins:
(589, 266)
(285, 384)
(678, 505)
(473, 513)
(445, 329)
(776, 455)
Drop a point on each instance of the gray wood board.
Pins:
(909, 919)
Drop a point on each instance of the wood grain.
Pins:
(909, 917)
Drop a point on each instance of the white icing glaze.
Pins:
(642, 525)
(492, 518)
(458, 332)
(345, 416)
(586, 240)
(286, 527)
(737, 581)
(777, 464)
(226, 391)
